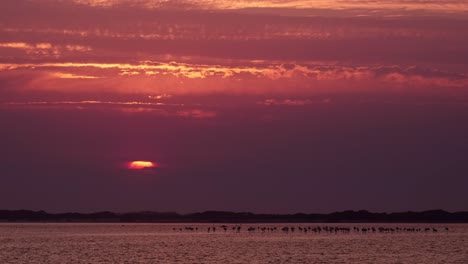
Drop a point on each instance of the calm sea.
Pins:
(167, 243)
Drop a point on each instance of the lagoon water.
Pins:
(166, 243)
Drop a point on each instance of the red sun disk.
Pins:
(140, 164)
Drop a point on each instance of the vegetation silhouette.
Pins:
(433, 216)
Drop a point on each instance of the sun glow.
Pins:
(140, 165)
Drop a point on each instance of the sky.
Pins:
(262, 106)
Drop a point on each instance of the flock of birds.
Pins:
(309, 229)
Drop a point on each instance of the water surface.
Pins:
(173, 243)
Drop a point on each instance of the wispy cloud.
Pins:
(273, 47)
(197, 113)
(44, 49)
(447, 6)
(130, 108)
(293, 102)
(183, 78)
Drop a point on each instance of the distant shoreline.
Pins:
(432, 216)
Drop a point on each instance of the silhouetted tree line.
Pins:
(433, 216)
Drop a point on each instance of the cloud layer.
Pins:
(203, 47)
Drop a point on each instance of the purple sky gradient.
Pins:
(263, 106)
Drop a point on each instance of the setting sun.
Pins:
(139, 165)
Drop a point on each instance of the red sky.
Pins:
(266, 106)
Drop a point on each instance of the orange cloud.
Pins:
(254, 78)
(70, 76)
(446, 6)
(128, 108)
(293, 102)
(197, 113)
(44, 49)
